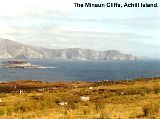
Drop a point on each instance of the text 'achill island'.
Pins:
(118, 5)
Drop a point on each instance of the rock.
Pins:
(63, 103)
(12, 49)
(84, 98)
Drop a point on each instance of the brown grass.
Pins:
(108, 100)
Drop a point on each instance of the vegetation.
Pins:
(127, 99)
(151, 110)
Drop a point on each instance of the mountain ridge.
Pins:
(14, 50)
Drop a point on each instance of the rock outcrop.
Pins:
(10, 49)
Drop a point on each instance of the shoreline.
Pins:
(47, 100)
(30, 85)
(107, 80)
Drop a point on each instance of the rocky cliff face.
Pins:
(11, 49)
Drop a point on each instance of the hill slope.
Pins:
(14, 50)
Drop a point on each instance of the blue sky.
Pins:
(58, 24)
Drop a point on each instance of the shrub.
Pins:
(99, 106)
(57, 101)
(147, 90)
(104, 116)
(157, 90)
(72, 105)
(143, 93)
(86, 111)
(135, 92)
(22, 108)
(151, 110)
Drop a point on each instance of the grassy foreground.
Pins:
(132, 99)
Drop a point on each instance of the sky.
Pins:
(57, 24)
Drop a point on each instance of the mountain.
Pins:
(14, 50)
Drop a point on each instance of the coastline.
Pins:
(38, 84)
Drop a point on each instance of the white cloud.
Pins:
(15, 8)
(57, 24)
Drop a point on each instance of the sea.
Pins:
(85, 70)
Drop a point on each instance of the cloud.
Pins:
(142, 22)
(18, 8)
(57, 24)
(133, 22)
(89, 40)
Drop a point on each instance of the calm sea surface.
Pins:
(83, 70)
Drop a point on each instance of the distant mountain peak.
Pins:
(12, 49)
(5, 40)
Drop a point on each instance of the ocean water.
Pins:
(83, 70)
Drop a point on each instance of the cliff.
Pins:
(14, 50)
